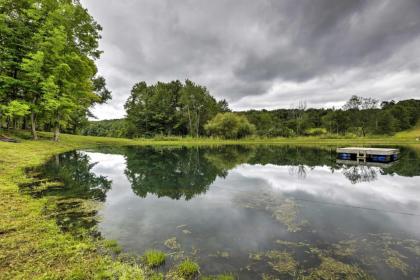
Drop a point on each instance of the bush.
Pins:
(229, 126)
(317, 131)
(281, 132)
(188, 269)
(154, 258)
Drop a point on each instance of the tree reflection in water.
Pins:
(75, 190)
(360, 173)
(185, 173)
(179, 172)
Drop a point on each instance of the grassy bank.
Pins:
(31, 244)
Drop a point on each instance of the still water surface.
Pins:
(263, 211)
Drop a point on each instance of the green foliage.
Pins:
(188, 269)
(113, 246)
(16, 108)
(108, 128)
(170, 109)
(154, 258)
(229, 126)
(360, 116)
(47, 62)
(316, 131)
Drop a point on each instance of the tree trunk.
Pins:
(198, 124)
(189, 119)
(57, 128)
(24, 123)
(56, 132)
(33, 126)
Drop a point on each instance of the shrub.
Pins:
(188, 269)
(154, 258)
(280, 132)
(229, 126)
(317, 131)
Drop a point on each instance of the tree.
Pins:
(16, 109)
(170, 108)
(229, 126)
(353, 103)
(18, 23)
(47, 59)
(387, 124)
(199, 106)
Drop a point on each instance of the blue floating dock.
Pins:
(381, 155)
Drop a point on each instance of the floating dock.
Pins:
(383, 155)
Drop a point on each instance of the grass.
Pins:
(188, 269)
(33, 247)
(31, 244)
(154, 258)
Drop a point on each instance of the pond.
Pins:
(257, 212)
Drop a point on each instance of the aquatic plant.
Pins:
(333, 269)
(154, 258)
(291, 244)
(188, 269)
(395, 260)
(256, 256)
(112, 245)
(172, 243)
(219, 277)
(284, 210)
(282, 261)
(378, 250)
(156, 276)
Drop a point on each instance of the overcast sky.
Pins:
(262, 54)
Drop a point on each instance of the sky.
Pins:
(263, 54)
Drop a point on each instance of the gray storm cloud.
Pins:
(262, 54)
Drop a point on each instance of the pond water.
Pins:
(258, 212)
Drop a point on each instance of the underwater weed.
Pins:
(172, 244)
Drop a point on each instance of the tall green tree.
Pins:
(18, 23)
(170, 108)
(50, 48)
(69, 40)
(198, 106)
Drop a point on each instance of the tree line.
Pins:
(48, 76)
(359, 116)
(164, 109)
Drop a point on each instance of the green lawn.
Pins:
(31, 244)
